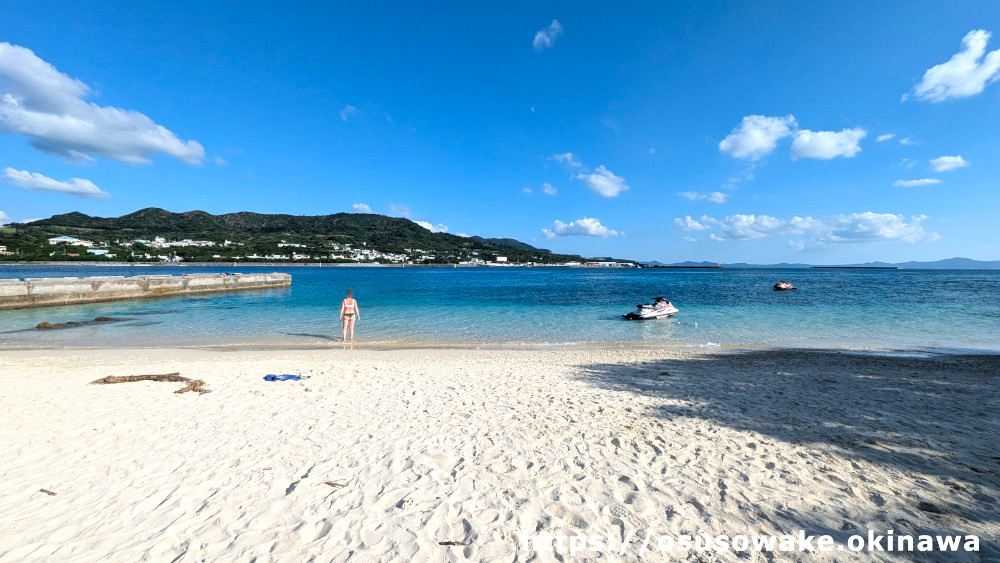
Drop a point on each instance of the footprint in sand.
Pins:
(697, 505)
(626, 516)
(544, 482)
(499, 468)
(323, 528)
(564, 513)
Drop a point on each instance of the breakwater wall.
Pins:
(42, 292)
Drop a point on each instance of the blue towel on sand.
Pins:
(284, 377)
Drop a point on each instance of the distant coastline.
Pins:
(855, 267)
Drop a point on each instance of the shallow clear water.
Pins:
(896, 309)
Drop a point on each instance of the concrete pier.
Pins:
(43, 292)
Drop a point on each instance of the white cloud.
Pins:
(967, 73)
(546, 37)
(689, 239)
(741, 226)
(756, 136)
(715, 197)
(400, 210)
(220, 161)
(463, 235)
(583, 227)
(869, 227)
(825, 145)
(845, 228)
(907, 163)
(946, 163)
(884, 137)
(30, 220)
(439, 228)
(915, 183)
(47, 106)
(734, 181)
(4, 218)
(347, 112)
(603, 182)
(34, 181)
(527, 190)
(361, 208)
(907, 141)
(567, 158)
(689, 224)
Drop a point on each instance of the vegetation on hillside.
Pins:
(255, 234)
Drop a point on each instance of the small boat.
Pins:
(658, 309)
(783, 286)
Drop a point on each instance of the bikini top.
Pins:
(349, 306)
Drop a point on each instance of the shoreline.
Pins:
(334, 344)
(476, 446)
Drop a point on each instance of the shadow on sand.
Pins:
(933, 418)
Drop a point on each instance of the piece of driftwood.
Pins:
(196, 385)
(192, 384)
(168, 377)
(335, 484)
(46, 491)
(459, 543)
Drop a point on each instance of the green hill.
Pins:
(258, 234)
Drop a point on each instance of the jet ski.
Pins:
(658, 309)
(783, 286)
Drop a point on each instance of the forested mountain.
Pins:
(259, 234)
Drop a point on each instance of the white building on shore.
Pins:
(160, 242)
(70, 241)
(607, 264)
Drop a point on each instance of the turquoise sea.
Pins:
(515, 307)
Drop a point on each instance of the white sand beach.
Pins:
(474, 447)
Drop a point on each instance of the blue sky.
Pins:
(660, 131)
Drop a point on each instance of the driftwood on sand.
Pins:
(192, 384)
(196, 385)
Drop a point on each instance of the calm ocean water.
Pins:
(898, 309)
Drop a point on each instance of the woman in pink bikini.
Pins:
(349, 312)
